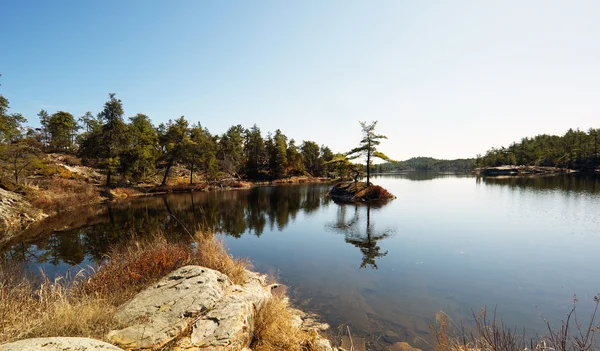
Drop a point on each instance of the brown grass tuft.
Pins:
(50, 308)
(276, 328)
(211, 253)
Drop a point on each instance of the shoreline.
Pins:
(19, 214)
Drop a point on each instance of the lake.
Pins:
(452, 243)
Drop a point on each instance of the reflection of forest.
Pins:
(230, 212)
(365, 239)
(573, 182)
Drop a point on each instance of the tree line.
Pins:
(428, 164)
(576, 149)
(136, 149)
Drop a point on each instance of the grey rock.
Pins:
(59, 344)
(162, 312)
(230, 324)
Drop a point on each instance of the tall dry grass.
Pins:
(60, 194)
(84, 304)
(276, 328)
(490, 334)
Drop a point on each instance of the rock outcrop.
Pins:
(16, 212)
(359, 192)
(195, 308)
(59, 344)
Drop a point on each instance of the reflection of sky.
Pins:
(456, 244)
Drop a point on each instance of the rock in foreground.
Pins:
(194, 308)
(59, 344)
(359, 192)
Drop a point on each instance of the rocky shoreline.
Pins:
(192, 308)
(509, 170)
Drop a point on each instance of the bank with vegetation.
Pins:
(575, 150)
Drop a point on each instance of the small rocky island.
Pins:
(359, 192)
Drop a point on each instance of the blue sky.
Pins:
(446, 79)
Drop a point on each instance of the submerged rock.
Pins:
(359, 192)
(59, 344)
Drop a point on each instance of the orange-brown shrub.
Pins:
(374, 192)
(129, 269)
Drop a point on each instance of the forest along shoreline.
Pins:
(62, 185)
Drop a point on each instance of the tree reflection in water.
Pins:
(84, 237)
(366, 240)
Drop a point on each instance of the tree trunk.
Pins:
(191, 173)
(108, 176)
(164, 181)
(368, 163)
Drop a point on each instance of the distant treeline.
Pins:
(136, 149)
(576, 149)
(428, 164)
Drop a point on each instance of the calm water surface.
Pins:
(451, 243)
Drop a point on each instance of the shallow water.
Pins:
(451, 243)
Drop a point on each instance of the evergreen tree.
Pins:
(138, 158)
(230, 152)
(277, 151)
(61, 129)
(254, 148)
(10, 124)
(174, 140)
(311, 156)
(294, 158)
(368, 147)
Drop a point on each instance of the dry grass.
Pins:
(125, 192)
(489, 334)
(84, 306)
(51, 308)
(59, 194)
(276, 329)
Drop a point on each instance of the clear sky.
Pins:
(446, 79)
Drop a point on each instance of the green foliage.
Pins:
(294, 159)
(61, 129)
(174, 139)
(277, 154)
(576, 149)
(368, 147)
(230, 153)
(20, 157)
(201, 152)
(311, 156)
(106, 140)
(256, 153)
(10, 124)
(139, 157)
(428, 164)
(135, 149)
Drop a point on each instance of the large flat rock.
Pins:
(229, 326)
(59, 344)
(162, 312)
